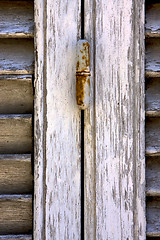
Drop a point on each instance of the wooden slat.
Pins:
(16, 94)
(119, 119)
(153, 17)
(16, 214)
(153, 235)
(153, 176)
(15, 134)
(153, 135)
(57, 121)
(16, 35)
(152, 152)
(152, 113)
(89, 134)
(16, 17)
(152, 35)
(15, 174)
(153, 215)
(152, 74)
(16, 237)
(152, 54)
(16, 56)
(153, 96)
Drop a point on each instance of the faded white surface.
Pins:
(57, 122)
(114, 126)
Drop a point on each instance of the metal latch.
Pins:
(83, 74)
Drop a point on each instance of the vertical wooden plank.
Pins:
(57, 121)
(119, 121)
(62, 176)
(38, 221)
(89, 131)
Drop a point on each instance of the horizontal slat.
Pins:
(16, 17)
(16, 214)
(16, 35)
(152, 35)
(153, 96)
(153, 17)
(16, 56)
(152, 152)
(153, 135)
(16, 237)
(153, 216)
(16, 94)
(152, 113)
(152, 74)
(152, 54)
(15, 134)
(153, 235)
(15, 174)
(153, 176)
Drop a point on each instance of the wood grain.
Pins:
(15, 134)
(16, 214)
(119, 116)
(89, 133)
(15, 174)
(153, 135)
(57, 166)
(16, 94)
(16, 17)
(153, 215)
(13, 58)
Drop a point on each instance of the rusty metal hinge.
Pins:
(83, 74)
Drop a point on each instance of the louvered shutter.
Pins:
(16, 117)
(153, 119)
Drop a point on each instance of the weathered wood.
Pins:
(16, 94)
(15, 134)
(153, 94)
(152, 113)
(16, 55)
(152, 152)
(153, 216)
(153, 176)
(15, 174)
(153, 135)
(152, 35)
(153, 17)
(57, 121)
(16, 35)
(16, 17)
(151, 74)
(119, 119)
(16, 214)
(152, 54)
(89, 134)
(16, 237)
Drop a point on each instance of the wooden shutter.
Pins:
(153, 118)
(114, 149)
(16, 117)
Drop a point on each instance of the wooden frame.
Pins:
(114, 123)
